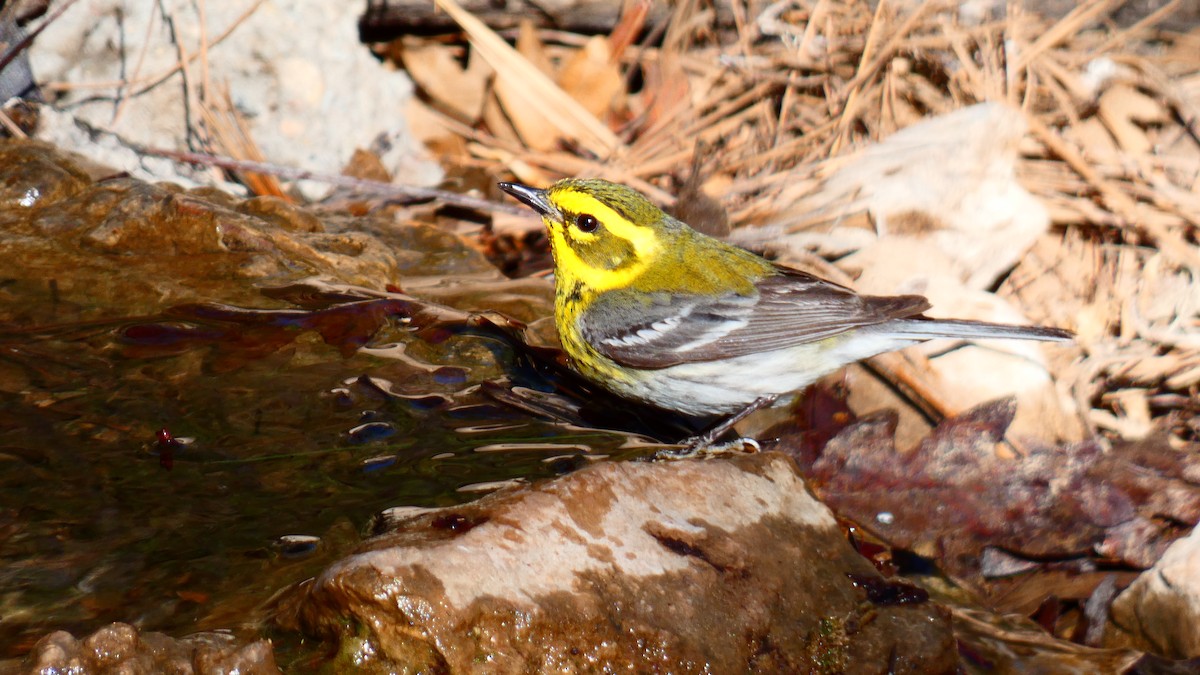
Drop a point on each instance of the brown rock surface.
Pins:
(120, 648)
(696, 566)
(124, 246)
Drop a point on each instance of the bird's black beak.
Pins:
(533, 198)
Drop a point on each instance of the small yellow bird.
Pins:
(653, 310)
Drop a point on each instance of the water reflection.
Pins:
(175, 470)
(532, 447)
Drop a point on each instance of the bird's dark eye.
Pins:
(586, 223)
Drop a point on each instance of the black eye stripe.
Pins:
(586, 222)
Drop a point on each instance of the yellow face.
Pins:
(607, 236)
(594, 236)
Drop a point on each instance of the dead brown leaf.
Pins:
(436, 69)
(592, 78)
(952, 496)
(529, 121)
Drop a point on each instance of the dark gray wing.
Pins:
(791, 308)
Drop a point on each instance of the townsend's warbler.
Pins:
(653, 310)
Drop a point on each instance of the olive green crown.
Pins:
(629, 203)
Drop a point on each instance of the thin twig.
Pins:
(1069, 25)
(154, 81)
(1124, 36)
(123, 100)
(391, 192)
(12, 127)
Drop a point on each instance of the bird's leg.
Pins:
(698, 444)
(708, 437)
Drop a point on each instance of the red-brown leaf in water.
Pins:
(247, 334)
(952, 496)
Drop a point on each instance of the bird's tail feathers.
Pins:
(924, 328)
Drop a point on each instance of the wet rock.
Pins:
(700, 566)
(1162, 607)
(120, 648)
(123, 245)
(34, 174)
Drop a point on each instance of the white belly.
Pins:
(725, 387)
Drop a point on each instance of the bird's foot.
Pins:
(701, 447)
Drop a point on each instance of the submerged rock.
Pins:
(120, 648)
(697, 566)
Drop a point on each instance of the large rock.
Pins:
(296, 71)
(698, 566)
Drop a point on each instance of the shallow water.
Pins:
(190, 421)
(158, 470)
